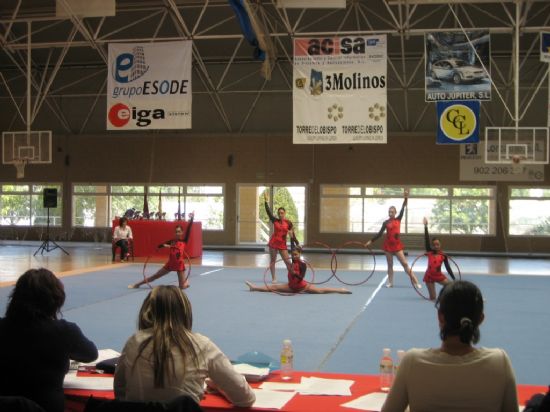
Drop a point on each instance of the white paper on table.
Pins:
(246, 369)
(281, 386)
(321, 386)
(92, 383)
(271, 399)
(371, 402)
(103, 354)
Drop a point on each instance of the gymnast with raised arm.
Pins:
(176, 260)
(277, 243)
(436, 258)
(392, 243)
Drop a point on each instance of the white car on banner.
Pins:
(456, 70)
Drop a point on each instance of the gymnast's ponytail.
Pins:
(461, 305)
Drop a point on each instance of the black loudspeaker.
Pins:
(50, 197)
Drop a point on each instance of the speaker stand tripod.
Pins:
(48, 245)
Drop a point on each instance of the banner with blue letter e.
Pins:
(458, 122)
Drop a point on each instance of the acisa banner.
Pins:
(458, 66)
(339, 92)
(149, 86)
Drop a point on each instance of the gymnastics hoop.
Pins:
(312, 271)
(412, 273)
(187, 268)
(332, 259)
(353, 242)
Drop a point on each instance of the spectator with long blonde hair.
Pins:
(165, 359)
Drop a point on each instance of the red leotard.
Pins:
(176, 260)
(281, 227)
(392, 242)
(392, 227)
(296, 275)
(433, 272)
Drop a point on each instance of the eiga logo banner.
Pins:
(149, 86)
(458, 122)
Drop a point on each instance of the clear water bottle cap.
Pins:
(387, 351)
(400, 353)
(287, 342)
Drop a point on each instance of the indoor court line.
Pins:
(352, 323)
(210, 271)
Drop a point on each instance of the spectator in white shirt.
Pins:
(121, 236)
(164, 359)
(457, 376)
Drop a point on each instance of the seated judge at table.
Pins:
(164, 359)
(35, 345)
(457, 376)
(121, 236)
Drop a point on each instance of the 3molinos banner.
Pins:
(457, 66)
(149, 86)
(339, 92)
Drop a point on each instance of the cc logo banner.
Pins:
(458, 122)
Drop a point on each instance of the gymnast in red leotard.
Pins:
(176, 259)
(277, 243)
(436, 258)
(392, 243)
(296, 282)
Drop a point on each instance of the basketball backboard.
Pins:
(505, 145)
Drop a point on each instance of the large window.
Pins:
(529, 212)
(96, 205)
(23, 205)
(451, 210)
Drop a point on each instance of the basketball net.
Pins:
(516, 164)
(20, 167)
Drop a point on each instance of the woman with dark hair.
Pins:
(277, 242)
(176, 259)
(436, 258)
(296, 282)
(121, 236)
(392, 243)
(164, 359)
(36, 345)
(457, 376)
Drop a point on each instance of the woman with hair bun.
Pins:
(457, 376)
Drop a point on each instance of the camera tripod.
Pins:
(48, 245)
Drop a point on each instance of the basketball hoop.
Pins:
(20, 167)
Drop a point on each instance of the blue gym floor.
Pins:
(333, 333)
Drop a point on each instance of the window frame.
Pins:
(33, 192)
(397, 191)
(511, 198)
(111, 191)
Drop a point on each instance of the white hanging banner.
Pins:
(339, 92)
(149, 86)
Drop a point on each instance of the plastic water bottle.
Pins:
(386, 370)
(287, 360)
(400, 354)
